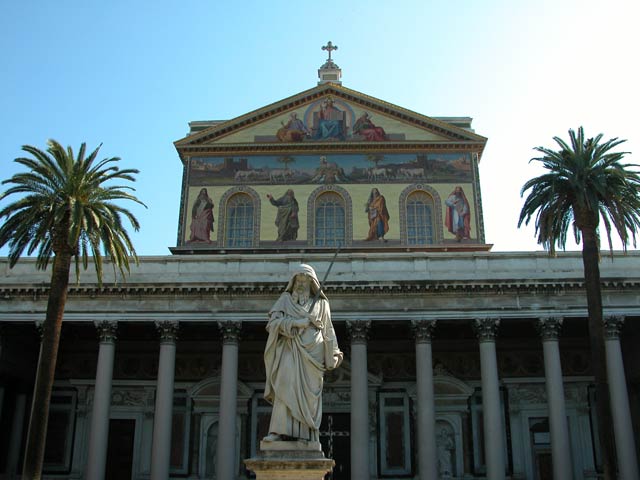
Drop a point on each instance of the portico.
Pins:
(391, 349)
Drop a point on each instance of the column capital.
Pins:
(106, 330)
(612, 326)
(168, 331)
(230, 332)
(486, 328)
(359, 330)
(549, 327)
(423, 330)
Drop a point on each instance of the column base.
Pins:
(290, 461)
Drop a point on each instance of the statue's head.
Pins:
(304, 276)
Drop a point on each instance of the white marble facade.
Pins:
(387, 295)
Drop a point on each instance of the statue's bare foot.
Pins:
(272, 437)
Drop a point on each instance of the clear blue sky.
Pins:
(132, 74)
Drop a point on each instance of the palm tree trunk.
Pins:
(37, 434)
(590, 260)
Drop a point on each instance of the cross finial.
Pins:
(330, 47)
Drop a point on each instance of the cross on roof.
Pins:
(330, 47)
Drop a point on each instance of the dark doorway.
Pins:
(335, 439)
(120, 450)
(544, 466)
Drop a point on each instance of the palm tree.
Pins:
(286, 160)
(65, 211)
(586, 184)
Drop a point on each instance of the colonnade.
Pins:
(486, 330)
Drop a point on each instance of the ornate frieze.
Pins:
(423, 330)
(440, 370)
(334, 397)
(106, 331)
(168, 331)
(129, 397)
(359, 331)
(535, 394)
(612, 326)
(230, 332)
(549, 327)
(486, 328)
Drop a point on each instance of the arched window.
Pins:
(420, 213)
(239, 221)
(330, 230)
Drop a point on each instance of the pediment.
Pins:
(210, 388)
(325, 114)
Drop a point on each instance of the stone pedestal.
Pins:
(296, 460)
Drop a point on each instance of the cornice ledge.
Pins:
(264, 288)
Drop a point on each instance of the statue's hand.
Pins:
(302, 322)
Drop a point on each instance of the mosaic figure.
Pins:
(287, 216)
(365, 127)
(202, 218)
(458, 214)
(378, 215)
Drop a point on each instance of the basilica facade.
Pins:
(459, 362)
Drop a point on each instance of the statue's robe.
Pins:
(295, 361)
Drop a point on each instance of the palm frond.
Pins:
(69, 201)
(584, 182)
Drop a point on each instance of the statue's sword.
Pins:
(317, 296)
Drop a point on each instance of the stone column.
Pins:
(426, 408)
(99, 430)
(17, 432)
(549, 329)
(622, 426)
(161, 441)
(358, 333)
(226, 466)
(494, 441)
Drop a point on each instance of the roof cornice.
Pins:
(194, 142)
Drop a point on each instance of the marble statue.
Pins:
(446, 447)
(301, 347)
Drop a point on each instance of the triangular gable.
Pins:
(267, 125)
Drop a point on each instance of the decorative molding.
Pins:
(230, 332)
(415, 287)
(359, 331)
(168, 331)
(486, 328)
(439, 370)
(549, 327)
(475, 159)
(612, 326)
(201, 140)
(106, 330)
(527, 394)
(522, 396)
(186, 168)
(423, 330)
(129, 397)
